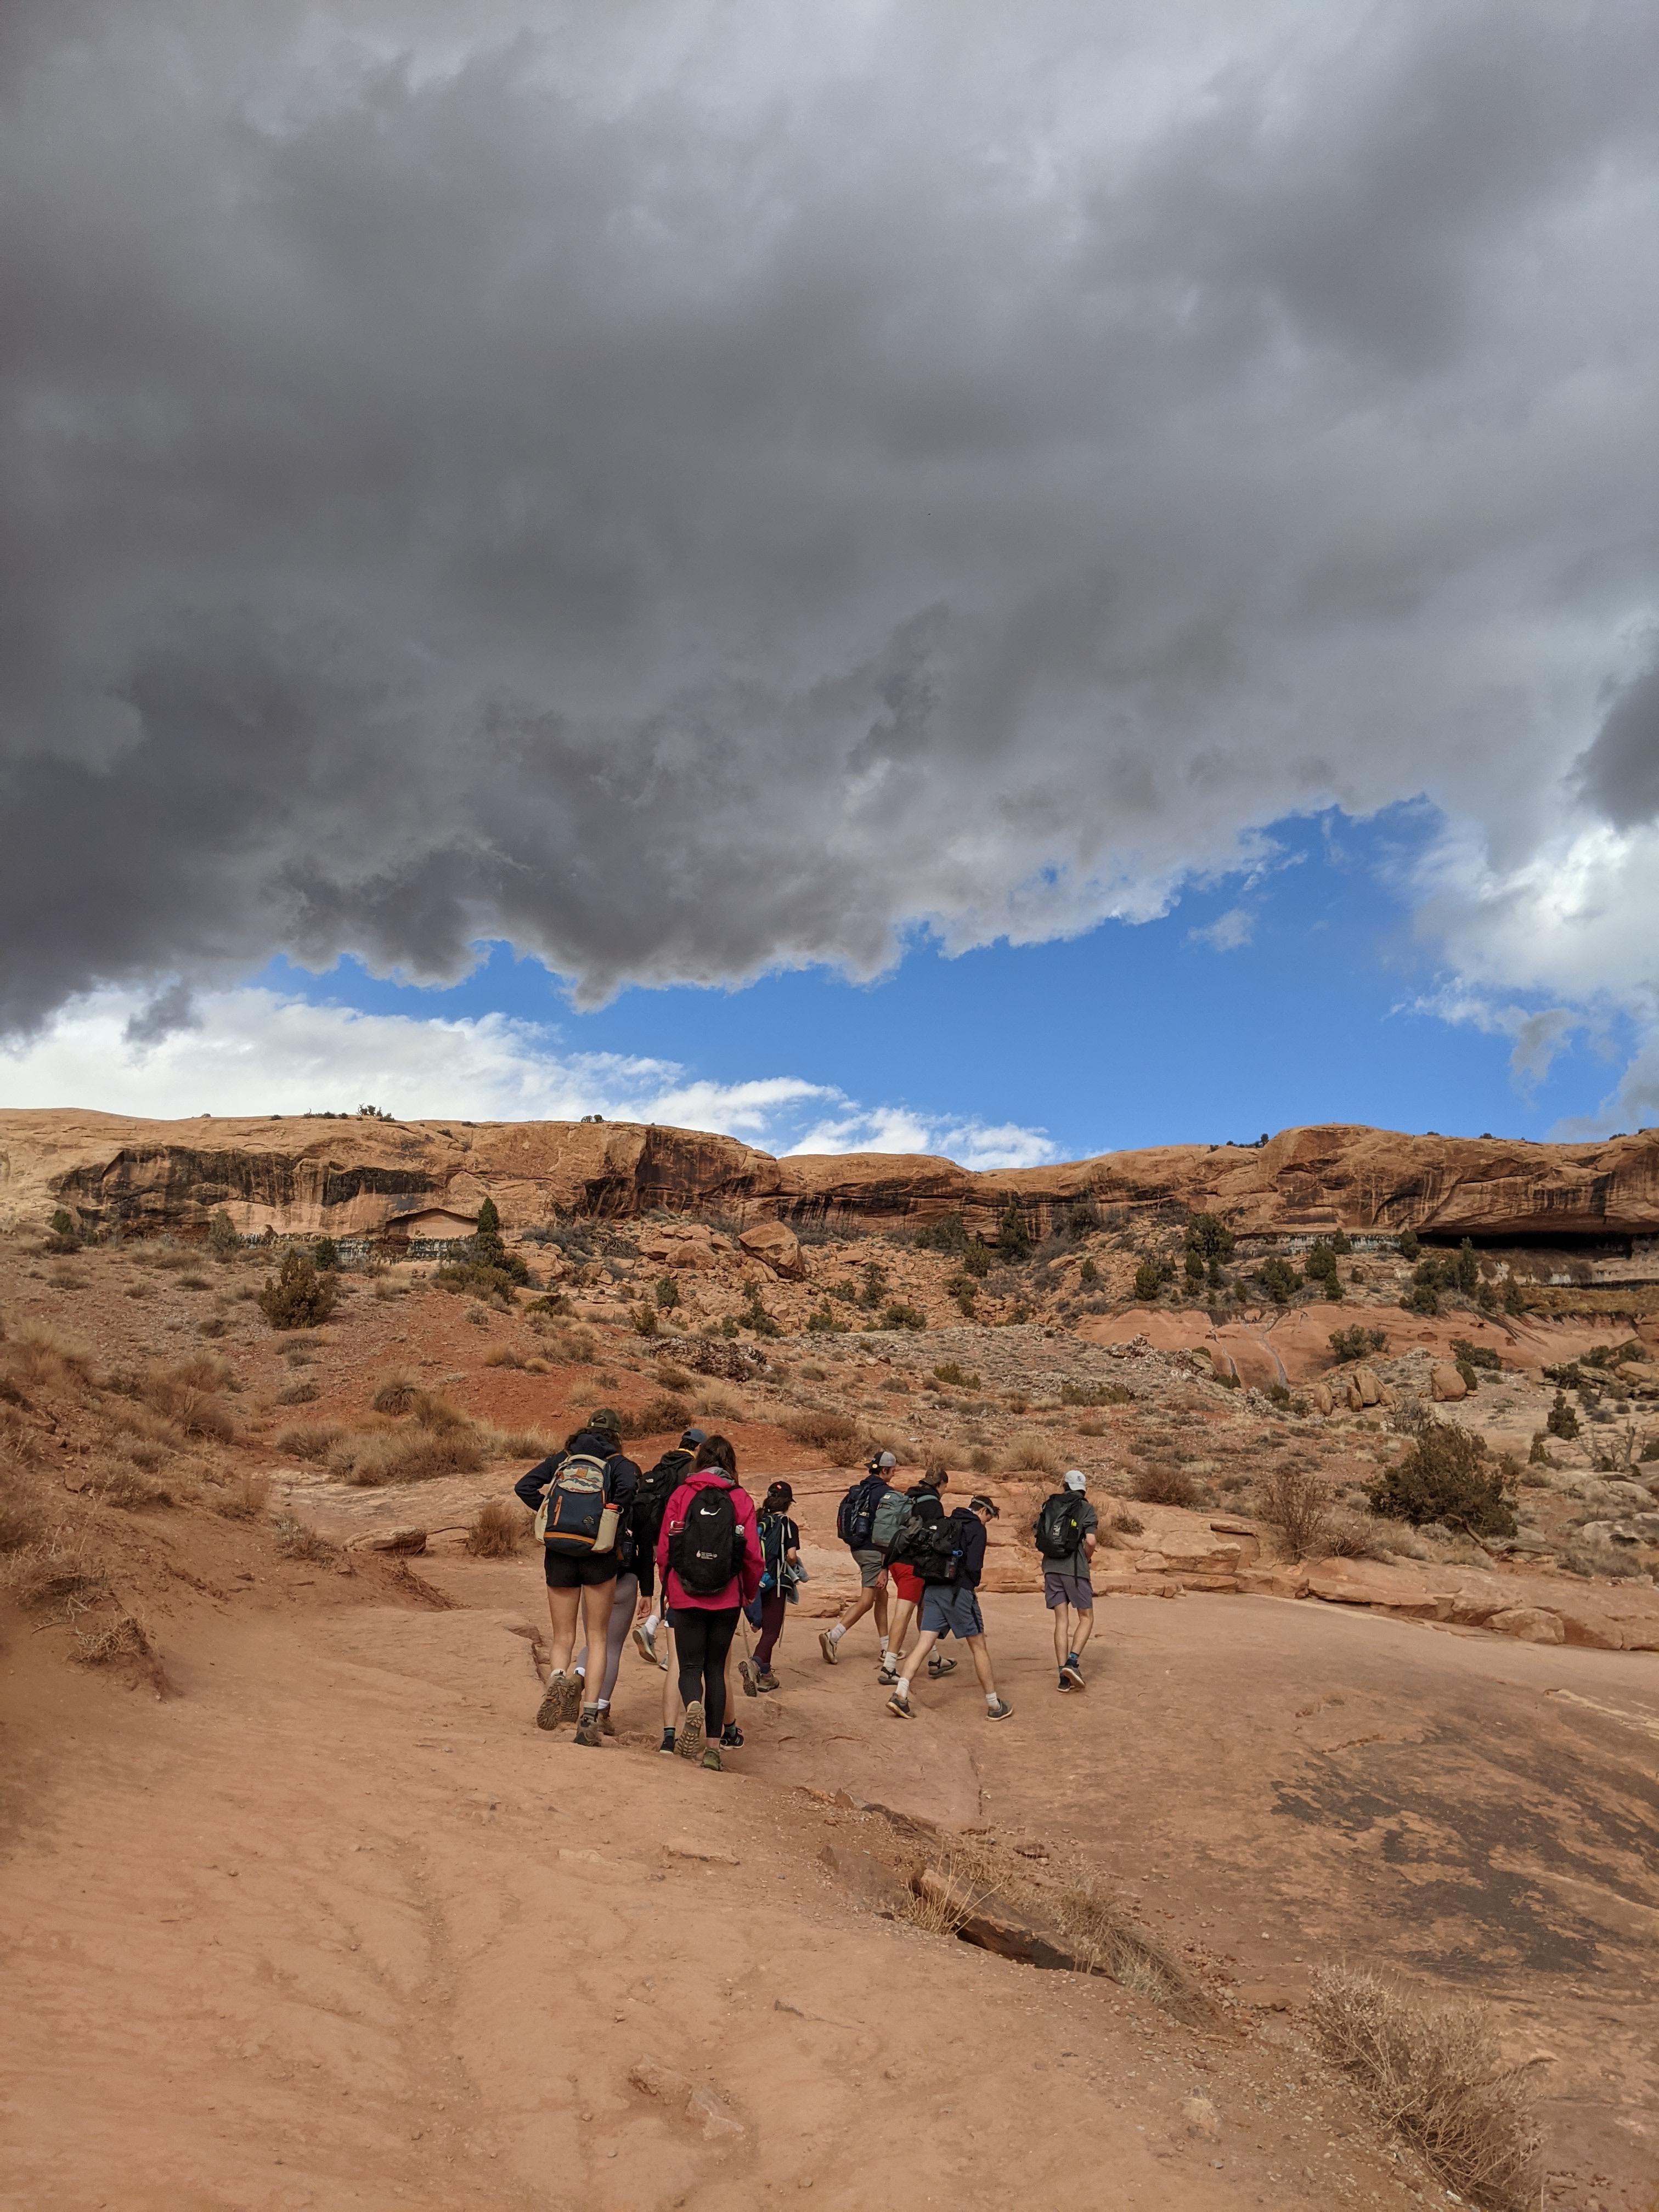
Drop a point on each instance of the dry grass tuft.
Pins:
(313, 1442)
(415, 1455)
(1434, 2074)
(295, 1540)
(504, 1355)
(21, 1521)
(395, 1391)
(1031, 1453)
(42, 1361)
(301, 1393)
(658, 1416)
(497, 1529)
(676, 1379)
(820, 1429)
(246, 1497)
(514, 1444)
(121, 1483)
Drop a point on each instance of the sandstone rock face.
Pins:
(303, 1174)
(775, 1244)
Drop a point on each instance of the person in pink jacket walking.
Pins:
(708, 1555)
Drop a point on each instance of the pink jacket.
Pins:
(746, 1582)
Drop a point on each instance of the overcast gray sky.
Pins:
(691, 487)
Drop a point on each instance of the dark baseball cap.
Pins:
(979, 1504)
(693, 1437)
(605, 1417)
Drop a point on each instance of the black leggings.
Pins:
(702, 1640)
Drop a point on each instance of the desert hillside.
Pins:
(273, 1629)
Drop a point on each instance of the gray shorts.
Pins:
(872, 1565)
(1075, 1590)
(951, 1609)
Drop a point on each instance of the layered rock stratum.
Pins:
(358, 1177)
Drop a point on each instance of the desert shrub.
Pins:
(955, 1377)
(300, 1393)
(1088, 1273)
(978, 1260)
(224, 1239)
(1161, 1482)
(1651, 1449)
(1095, 1394)
(1277, 1280)
(1320, 1267)
(754, 1314)
(21, 1521)
(187, 1395)
(297, 1296)
(643, 1318)
(1613, 1562)
(213, 1325)
(1353, 1536)
(1298, 1505)
(497, 1529)
(326, 1253)
(123, 1483)
(657, 1416)
(504, 1355)
(674, 1377)
(296, 1540)
(1561, 1420)
(1127, 1524)
(1208, 1238)
(394, 1393)
(900, 1315)
(246, 1497)
(1031, 1453)
(1149, 1280)
(668, 1293)
(1448, 1476)
(823, 1322)
(185, 1282)
(820, 1429)
(1436, 2075)
(947, 1235)
(1348, 1343)
(1013, 1237)
(314, 1442)
(410, 1454)
(1475, 1355)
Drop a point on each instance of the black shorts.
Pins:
(567, 1571)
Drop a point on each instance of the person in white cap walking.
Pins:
(1066, 1537)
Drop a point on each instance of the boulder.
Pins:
(1445, 1382)
(403, 1543)
(777, 1246)
(1530, 1623)
(1366, 1381)
(1322, 1400)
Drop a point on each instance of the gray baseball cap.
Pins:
(1076, 1480)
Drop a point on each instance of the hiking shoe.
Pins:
(750, 1673)
(588, 1730)
(607, 1726)
(938, 1667)
(1063, 1684)
(645, 1643)
(887, 1672)
(666, 1746)
(827, 1645)
(689, 1741)
(1001, 1711)
(711, 1759)
(767, 1680)
(732, 1737)
(561, 1701)
(1071, 1676)
(1075, 1664)
(902, 1707)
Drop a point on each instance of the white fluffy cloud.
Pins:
(257, 1052)
(697, 489)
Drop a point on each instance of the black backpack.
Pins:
(656, 1487)
(919, 1511)
(936, 1554)
(1060, 1526)
(704, 1552)
(856, 1517)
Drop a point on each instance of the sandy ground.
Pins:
(338, 1926)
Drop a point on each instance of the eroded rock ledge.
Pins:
(404, 1180)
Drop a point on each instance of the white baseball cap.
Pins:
(1076, 1480)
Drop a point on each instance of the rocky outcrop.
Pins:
(301, 1176)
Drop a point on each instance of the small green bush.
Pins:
(1279, 1280)
(1562, 1421)
(326, 1253)
(297, 1296)
(978, 1260)
(949, 1235)
(1448, 1476)
(754, 1315)
(1088, 1272)
(900, 1316)
(1208, 1239)
(1149, 1280)
(1407, 1245)
(954, 1374)
(644, 1318)
(1013, 1237)
(1475, 1355)
(823, 1322)
(668, 1293)
(224, 1239)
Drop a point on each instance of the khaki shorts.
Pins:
(872, 1566)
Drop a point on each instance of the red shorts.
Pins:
(907, 1582)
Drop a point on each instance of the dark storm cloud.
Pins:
(689, 489)
(1620, 770)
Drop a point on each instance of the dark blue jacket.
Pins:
(621, 1479)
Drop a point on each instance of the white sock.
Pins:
(836, 1633)
(602, 1704)
(581, 1673)
(883, 1647)
(653, 1622)
(902, 1686)
(992, 1701)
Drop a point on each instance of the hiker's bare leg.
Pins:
(924, 1643)
(855, 1608)
(979, 1652)
(1062, 1634)
(1083, 1630)
(562, 1606)
(670, 1680)
(597, 1599)
(881, 1606)
(904, 1614)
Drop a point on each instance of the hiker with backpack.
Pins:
(636, 1576)
(923, 1505)
(856, 1524)
(708, 1555)
(656, 1486)
(582, 1498)
(949, 1558)
(1066, 1536)
(780, 1543)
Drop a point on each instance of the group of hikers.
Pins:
(679, 1556)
